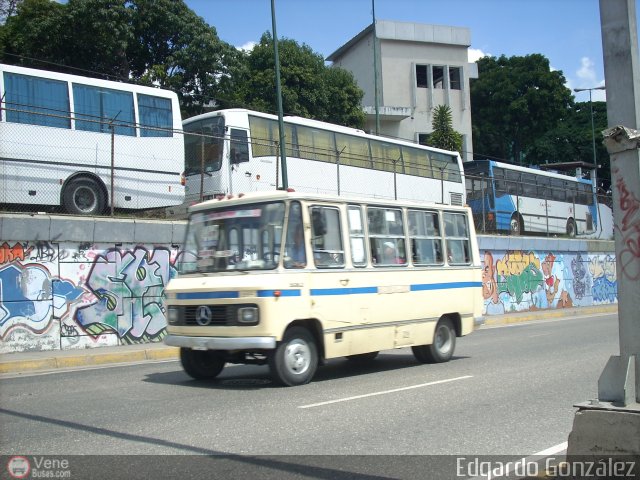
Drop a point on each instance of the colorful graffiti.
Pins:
(530, 280)
(128, 287)
(105, 297)
(81, 295)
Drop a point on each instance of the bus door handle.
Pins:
(344, 281)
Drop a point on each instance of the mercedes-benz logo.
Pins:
(203, 315)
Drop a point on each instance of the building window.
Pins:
(422, 79)
(438, 76)
(454, 78)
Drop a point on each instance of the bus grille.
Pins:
(220, 314)
(456, 199)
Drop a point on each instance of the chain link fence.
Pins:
(60, 163)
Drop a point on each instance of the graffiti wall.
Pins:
(519, 280)
(69, 294)
(75, 295)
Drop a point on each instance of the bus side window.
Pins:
(328, 251)
(239, 150)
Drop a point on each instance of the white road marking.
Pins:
(511, 465)
(373, 394)
(552, 450)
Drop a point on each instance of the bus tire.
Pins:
(295, 359)
(83, 196)
(362, 357)
(571, 228)
(443, 346)
(201, 364)
(516, 225)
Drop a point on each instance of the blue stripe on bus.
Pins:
(283, 293)
(343, 291)
(444, 286)
(324, 291)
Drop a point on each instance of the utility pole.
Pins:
(375, 68)
(283, 155)
(607, 428)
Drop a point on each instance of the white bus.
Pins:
(85, 144)
(236, 150)
(514, 199)
(371, 275)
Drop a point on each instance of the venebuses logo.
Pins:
(19, 467)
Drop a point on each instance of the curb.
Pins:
(527, 316)
(87, 360)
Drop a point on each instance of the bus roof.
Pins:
(96, 82)
(281, 195)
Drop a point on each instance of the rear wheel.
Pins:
(517, 228)
(295, 359)
(443, 346)
(201, 364)
(571, 228)
(83, 196)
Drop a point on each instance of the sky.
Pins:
(567, 32)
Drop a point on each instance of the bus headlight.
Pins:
(173, 315)
(248, 316)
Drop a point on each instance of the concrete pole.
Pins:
(609, 427)
(620, 48)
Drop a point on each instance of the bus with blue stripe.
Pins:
(512, 199)
(291, 280)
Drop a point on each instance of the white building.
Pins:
(418, 68)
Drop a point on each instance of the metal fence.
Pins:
(55, 162)
(141, 167)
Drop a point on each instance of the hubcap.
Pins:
(297, 357)
(84, 199)
(443, 339)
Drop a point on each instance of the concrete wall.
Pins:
(527, 273)
(70, 283)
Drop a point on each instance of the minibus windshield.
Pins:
(242, 237)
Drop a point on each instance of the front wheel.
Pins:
(444, 343)
(201, 364)
(295, 359)
(571, 228)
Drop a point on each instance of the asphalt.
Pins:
(55, 360)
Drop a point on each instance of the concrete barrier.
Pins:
(74, 283)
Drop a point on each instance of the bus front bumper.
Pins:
(221, 343)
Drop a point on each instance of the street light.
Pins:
(593, 133)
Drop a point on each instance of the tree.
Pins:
(443, 135)
(309, 88)
(155, 42)
(8, 8)
(516, 101)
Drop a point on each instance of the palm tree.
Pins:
(443, 135)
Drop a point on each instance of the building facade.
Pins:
(414, 68)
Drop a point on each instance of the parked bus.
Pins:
(236, 150)
(371, 275)
(513, 199)
(85, 143)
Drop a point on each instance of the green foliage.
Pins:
(515, 101)
(309, 88)
(443, 135)
(164, 43)
(158, 42)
